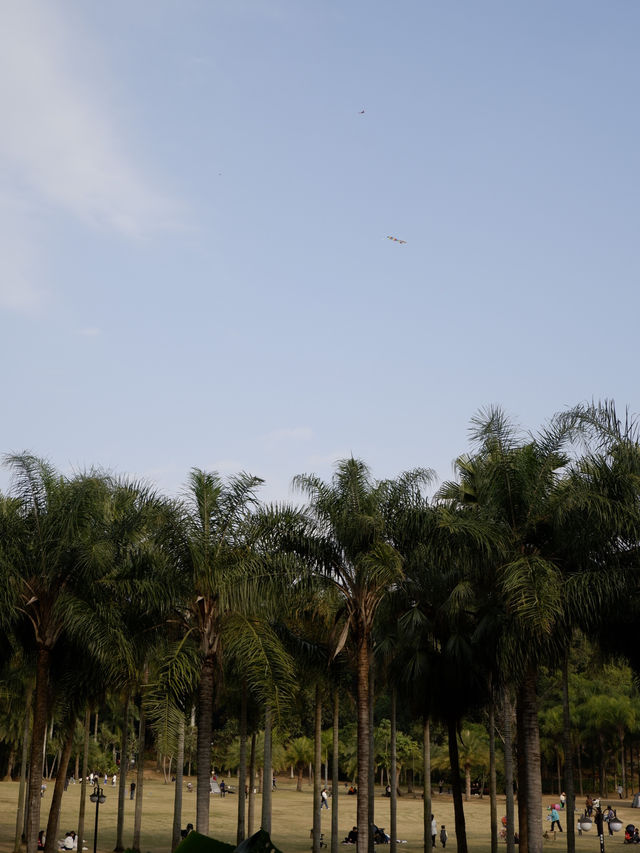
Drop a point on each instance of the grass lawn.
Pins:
(291, 819)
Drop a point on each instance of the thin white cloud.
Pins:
(327, 459)
(288, 434)
(226, 466)
(19, 259)
(59, 133)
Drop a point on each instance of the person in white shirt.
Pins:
(70, 841)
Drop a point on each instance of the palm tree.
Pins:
(299, 756)
(235, 583)
(143, 588)
(555, 522)
(216, 549)
(49, 566)
(473, 753)
(344, 540)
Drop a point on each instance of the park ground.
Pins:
(291, 818)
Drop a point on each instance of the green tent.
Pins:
(197, 843)
(260, 842)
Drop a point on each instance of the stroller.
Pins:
(631, 834)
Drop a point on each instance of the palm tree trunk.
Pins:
(493, 785)
(531, 742)
(362, 805)
(579, 751)
(335, 772)
(124, 763)
(317, 772)
(10, 762)
(371, 780)
(603, 762)
(137, 816)
(427, 817)
(17, 844)
(252, 776)
(83, 778)
(569, 785)
(630, 767)
(393, 803)
(507, 713)
(37, 744)
(177, 797)
(456, 786)
(267, 772)
(53, 823)
(203, 748)
(242, 770)
(522, 779)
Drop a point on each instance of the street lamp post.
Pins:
(599, 819)
(97, 797)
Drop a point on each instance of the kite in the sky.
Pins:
(396, 239)
(361, 113)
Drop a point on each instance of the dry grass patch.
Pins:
(291, 819)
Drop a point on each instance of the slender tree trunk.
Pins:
(37, 745)
(137, 815)
(252, 776)
(603, 761)
(242, 770)
(17, 843)
(507, 712)
(51, 843)
(362, 805)
(95, 728)
(623, 780)
(317, 772)
(177, 795)
(569, 784)
(45, 770)
(522, 779)
(456, 786)
(124, 764)
(83, 778)
(55, 764)
(493, 784)
(531, 741)
(371, 780)
(335, 773)
(426, 775)
(393, 803)
(267, 772)
(10, 762)
(579, 752)
(205, 728)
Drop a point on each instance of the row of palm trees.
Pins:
(454, 600)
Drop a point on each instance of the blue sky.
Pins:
(194, 268)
